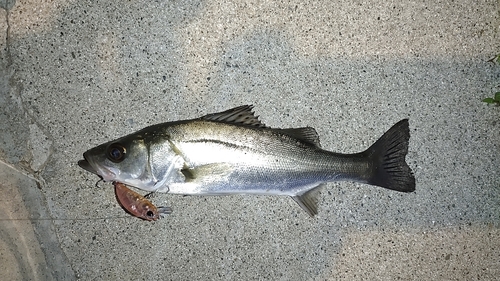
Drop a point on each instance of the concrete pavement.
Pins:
(75, 74)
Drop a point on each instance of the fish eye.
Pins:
(116, 152)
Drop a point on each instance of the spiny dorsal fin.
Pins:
(241, 115)
(305, 134)
(309, 200)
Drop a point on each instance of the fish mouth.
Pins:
(84, 164)
(102, 172)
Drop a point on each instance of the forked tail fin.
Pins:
(387, 155)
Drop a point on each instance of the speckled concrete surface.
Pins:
(75, 74)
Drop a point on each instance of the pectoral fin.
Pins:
(209, 172)
(309, 200)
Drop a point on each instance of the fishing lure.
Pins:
(137, 205)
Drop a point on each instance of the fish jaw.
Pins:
(89, 165)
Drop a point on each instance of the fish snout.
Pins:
(84, 164)
(90, 166)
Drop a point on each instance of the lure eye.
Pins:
(150, 214)
(116, 152)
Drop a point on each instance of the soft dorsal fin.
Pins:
(305, 134)
(241, 115)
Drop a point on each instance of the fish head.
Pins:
(124, 160)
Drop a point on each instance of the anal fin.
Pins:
(309, 200)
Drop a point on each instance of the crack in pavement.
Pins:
(39, 142)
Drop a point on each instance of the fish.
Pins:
(137, 205)
(233, 152)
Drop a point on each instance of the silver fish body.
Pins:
(232, 152)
